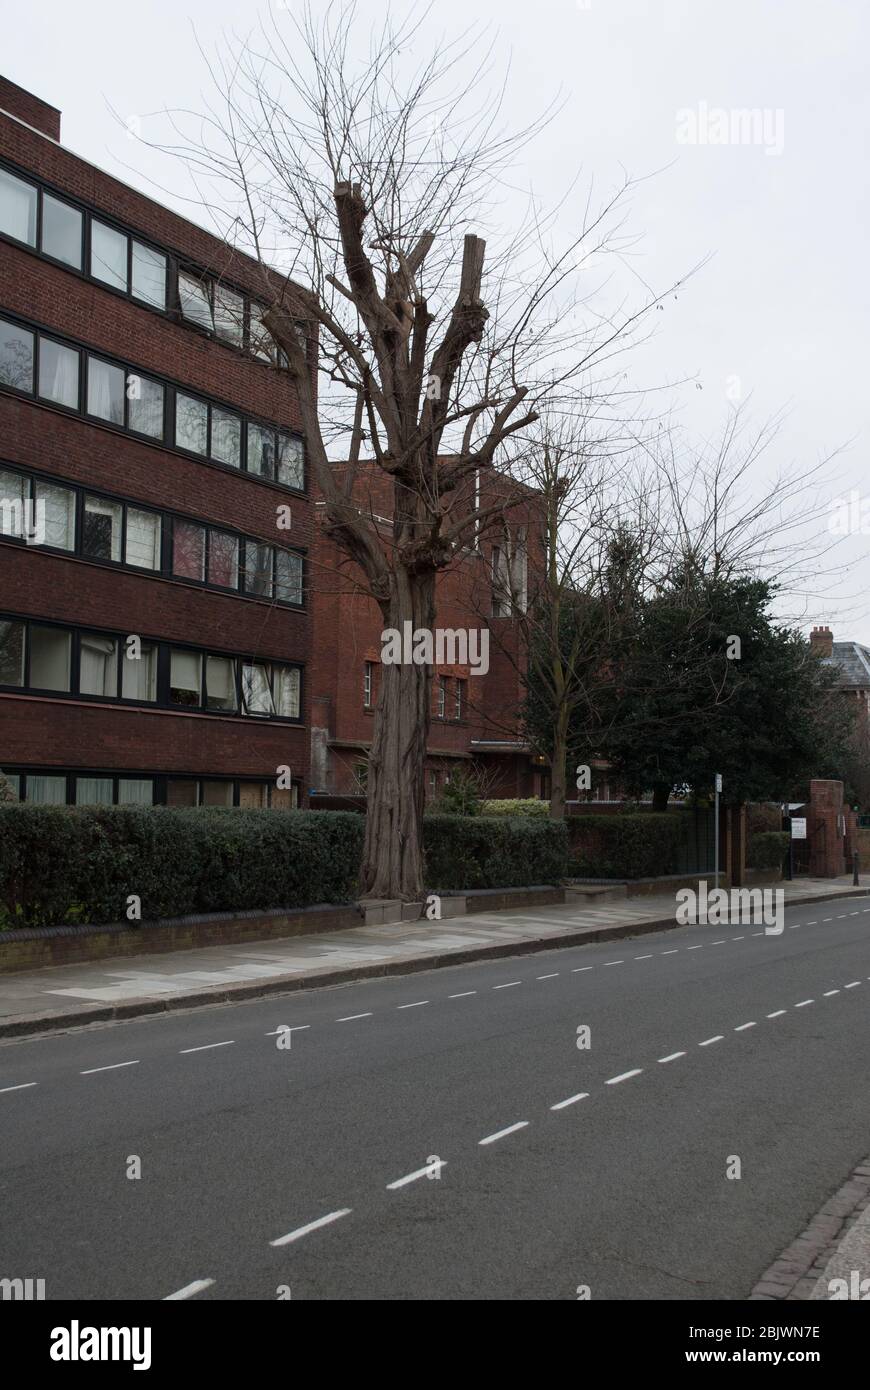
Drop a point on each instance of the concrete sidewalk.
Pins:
(67, 996)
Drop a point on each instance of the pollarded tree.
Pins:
(367, 180)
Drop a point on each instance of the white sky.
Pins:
(782, 305)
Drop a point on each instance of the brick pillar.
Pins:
(824, 812)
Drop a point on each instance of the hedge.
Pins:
(80, 864)
(624, 846)
(767, 850)
(512, 806)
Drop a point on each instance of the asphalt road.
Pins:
(706, 1044)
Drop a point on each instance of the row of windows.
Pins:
(49, 659)
(64, 374)
(443, 707)
(82, 241)
(111, 789)
(39, 512)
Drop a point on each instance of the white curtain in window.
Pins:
(255, 688)
(17, 208)
(145, 411)
(98, 665)
(285, 683)
(185, 672)
(143, 539)
(58, 373)
(139, 676)
(108, 255)
(105, 391)
(49, 658)
(14, 492)
(46, 791)
(149, 275)
(135, 791)
(220, 681)
(93, 791)
(60, 515)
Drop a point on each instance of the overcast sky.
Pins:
(779, 312)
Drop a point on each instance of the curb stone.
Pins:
(794, 1275)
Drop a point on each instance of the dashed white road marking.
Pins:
(718, 943)
(741, 1028)
(189, 1290)
(500, 1133)
(827, 919)
(578, 969)
(312, 1226)
(548, 977)
(669, 953)
(466, 994)
(297, 1028)
(672, 1057)
(853, 985)
(694, 948)
(804, 1002)
(420, 1173)
(829, 992)
(758, 933)
(418, 1004)
(615, 962)
(738, 938)
(815, 924)
(572, 1100)
(113, 1066)
(778, 1014)
(349, 1018)
(205, 1046)
(623, 1076)
(24, 1086)
(510, 984)
(708, 1041)
(649, 957)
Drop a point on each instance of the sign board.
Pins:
(718, 781)
(798, 828)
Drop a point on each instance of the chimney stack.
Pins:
(822, 641)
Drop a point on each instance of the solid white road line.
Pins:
(708, 1041)
(743, 1026)
(426, 1172)
(205, 1047)
(777, 1014)
(25, 1085)
(113, 1067)
(672, 1056)
(572, 1100)
(349, 1018)
(189, 1290)
(417, 1005)
(510, 984)
(500, 1133)
(466, 994)
(312, 1226)
(624, 1076)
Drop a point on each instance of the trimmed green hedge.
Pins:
(624, 846)
(80, 864)
(69, 864)
(512, 806)
(767, 850)
(493, 852)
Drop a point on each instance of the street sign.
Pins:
(718, 781)
(798, 828)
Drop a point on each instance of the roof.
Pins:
(853, 661)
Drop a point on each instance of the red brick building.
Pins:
(155, 521)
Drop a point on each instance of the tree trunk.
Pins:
(393, 851)
(661, 796)
(558, 767)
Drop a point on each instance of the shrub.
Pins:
(460, 796)
(767, 850)
(625, 846)
(512, 806)
(493, 852)
(762, 816)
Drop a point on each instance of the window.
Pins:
(60, 514)
(11, 653)
(94, 791)
(194, 299)
(49, 658)
(256, 692)
(101, 537)
(14, 497)
(148, 277)
(139, 674)
(286, 685)
(501, 601)
(17, 208)
(61, 231)
(108, 255)
(258, 568)
(185, 677)
(458, 699)
(433, 783)
(142, 546)
(261, 451)
(217, 794)
(188, 550)
(253, 796)
(229, 315)
(135, 791)
(181, 792)
(16, 356)
(14, 781)
(105, 391)
(367, 685)
(284, 798)
(262, 342)
(191, 423)
(145, 409)
(46, 791)
(220, 683)
(291, 460)
(520, 570)
(98, 665)
(223, 559)
(226, 437)
(441, 697)
(58, 373)
(288, 576)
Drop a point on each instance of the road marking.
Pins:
(649, 957)
(694, 948)
(349, 1018)
(854, 914)
(112, 1067)
(312, 1226)
(614, 962)
(829, 992)
(804, 1002)
(758, 933)
(669, 953)
(624, 1076)
(205, 1047)
(510, 984)
(811, 924)
(718, 943)
(738, 938)
(500, 1133)
(560, 1105)
(465, 994)
(578, 969)
(708, 1041)
(426, 1172)
(548, 977)
(672, 1057)
(297, 1028)
(417, 1005)
(827, 919)
(778, 1014)
(853, 985)
(25, 1085)
(189, 1290)
(743, 1026)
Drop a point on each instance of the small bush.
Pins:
(761, 816)
(624, 846)
(512, 806)
(767, 850)
(493, 852)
